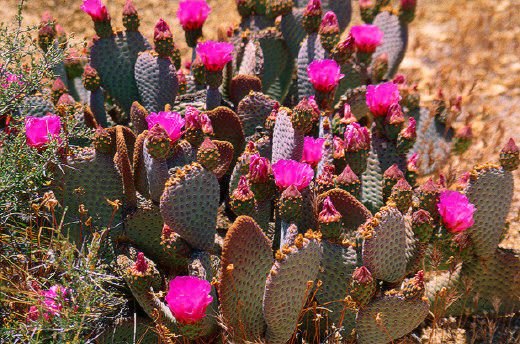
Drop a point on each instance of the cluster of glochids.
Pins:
(301, 141)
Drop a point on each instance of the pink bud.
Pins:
(259, 169)
(329, 213)
(393, 173)
(312, 150)
(324, 75)
(129, 9)
(33, 314)
(456, 211)
(192, 117)
(181, 77)
(243, 191)
(188, 298)
(463, 181)
(215, 55)
(356, 138)
(395, 115)
(315, 108)
(362, 275)
(140, 266)
(510, 147)
(39, 130)
(381, 97)
(367, 37)
(408, 5)
(313, 6)
(399, 79)
(329, 23)
(465, 132)
(96, 10)
(410, 131)
(172, 122)
(161, 31)
(348, 116)
(287, 172)
(412, 162)
(339, 148)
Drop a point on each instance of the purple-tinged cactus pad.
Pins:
(384, 245)
(287, 142)
(356, 98)
(398, 317)
(139, 169)
(246, 260)
(490, 189)
(189, 205)
(240, 88)
(353, 213)
(252, 62)
(225, 150)
(126, 330)
(292, 30)
(227, 127)
(287, 287)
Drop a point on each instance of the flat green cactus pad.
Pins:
(130, 331)
(114, 59)
(398, 318)
(89, 178)
(246, 261)
(189, 205)
(287, 142)
(310, 50)
(384, 247)
(490, 189)
(156, 79)
(253, 110)
(395, 40)
(338, 264)
(287, 288)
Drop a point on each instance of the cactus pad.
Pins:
(395, 40)
(253, 110)
(287, 142)
(384, 246)
(156, 79)
(189, 205)
(246, 260)
(490, 189)
(398, 317)
(287, 287)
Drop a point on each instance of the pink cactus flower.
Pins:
(188, 298)
(55, 298)
(259, 169)
(192, 14)
(172, 122)
(412, 162)
(181, 78)
(329, 213)
(39, 130)
(290, 172)
(381, 97)
(367, 37)
(456, 211)
(339, 148)
(195, 120)
(312, 150)
(324, 75)
(329, 23)
(215, 55)
(356, 138)
(33, 314)
(96, 10)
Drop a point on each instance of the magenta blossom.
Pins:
(96, 10)
(290, 172)
(259, 169)
(215, 55)
(312, 150)
(54, 300)
(456, 211)
(188, 298)
(408, 5)
(192, 14)
(356, 138)
(39, 130)
(324, 75)
(367, 37)
(11, 78)
(172, 122)
(381, 97)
